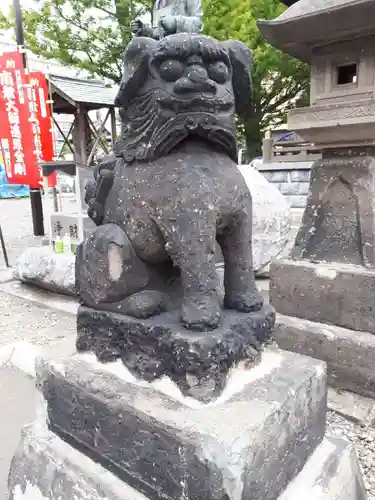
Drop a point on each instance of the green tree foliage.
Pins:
(88, 34)
(280, 82)
(92, 34)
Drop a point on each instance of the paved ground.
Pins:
(26, 330)
(24, 323)
(15, 413)
(22, 320)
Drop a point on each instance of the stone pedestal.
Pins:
(324, 293)
(112, 436)
(327, 292)
(198, 362)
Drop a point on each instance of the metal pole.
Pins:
(2, 242)
(35, 193)
(113, 127)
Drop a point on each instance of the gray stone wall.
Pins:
(292, 179)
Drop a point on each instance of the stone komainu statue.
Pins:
(173, 190)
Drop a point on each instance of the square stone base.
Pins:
(250, 443)
(198, 362)
(47, 468)
(337, 294)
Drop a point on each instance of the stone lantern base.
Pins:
(324, 293)
(326, 310)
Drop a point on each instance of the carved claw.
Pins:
(244, 302)
(202, 314)
(144, 304)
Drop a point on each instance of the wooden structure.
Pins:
(77, 97)
(280, 147)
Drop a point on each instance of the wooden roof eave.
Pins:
(62, 94)
(297, 36)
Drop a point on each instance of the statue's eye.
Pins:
(171, 70)
(218, 72)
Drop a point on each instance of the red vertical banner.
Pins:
(42, 127)
(6, 143)
(19, 112)
(11, 100)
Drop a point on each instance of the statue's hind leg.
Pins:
(107, 268)
(240, 289)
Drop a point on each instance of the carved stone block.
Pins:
(339, 219)
(44, 465)
(249, 444)
(338, 294)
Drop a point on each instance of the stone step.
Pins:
(349, 354)
(46, 467)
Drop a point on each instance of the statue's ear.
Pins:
(136, 58)
(240, 57)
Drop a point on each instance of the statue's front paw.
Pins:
(202, 314)
(144, 304)
(244, 302)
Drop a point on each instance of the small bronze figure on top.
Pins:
(170, 17)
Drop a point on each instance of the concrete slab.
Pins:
(354, 407)
(6, 274)
(17, 408)
(331, 473)
(23, 355)
(47, 468)
(41, 297)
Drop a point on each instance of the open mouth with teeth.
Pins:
(197, 103)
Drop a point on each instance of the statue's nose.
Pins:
(195, 79)
(197, 74)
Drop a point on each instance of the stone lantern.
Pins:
(337, 39)
(329, 278)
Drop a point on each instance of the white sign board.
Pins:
(63, 223)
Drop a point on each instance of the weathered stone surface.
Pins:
(339, 294)
(271, 218)
(47, 468)
(167, 447)
(350, 355)
(44, 467)
(338, 223)
(354, 407)
(160, 345)
(331, 473)
(42, 267)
